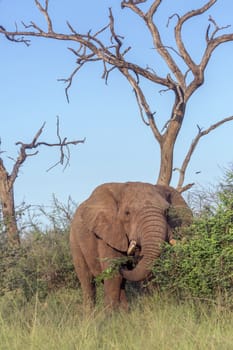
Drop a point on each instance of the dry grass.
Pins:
(153, 323)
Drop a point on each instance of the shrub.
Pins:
(201, 265)
(41, 265)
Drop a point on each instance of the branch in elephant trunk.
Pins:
(150, 251)
(135, 275)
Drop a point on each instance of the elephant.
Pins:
(119, 219)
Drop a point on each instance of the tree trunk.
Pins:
(166, 162)
(168, 141)
(8, 209)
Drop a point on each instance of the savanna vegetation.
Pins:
(187, 304)
(156, 322)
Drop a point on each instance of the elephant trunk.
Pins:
(151, 233)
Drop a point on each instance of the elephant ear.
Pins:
(174, 216)
(178, 213)
(100, 215)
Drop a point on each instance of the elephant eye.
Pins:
(127, 213)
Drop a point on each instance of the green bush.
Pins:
(199, 266)
(41, 265)
(202, 264)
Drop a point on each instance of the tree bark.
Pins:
(166, 162)
(8, 208)
(168, 141)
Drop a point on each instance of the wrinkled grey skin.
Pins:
(115, 215)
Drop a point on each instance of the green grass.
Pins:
(153, 323)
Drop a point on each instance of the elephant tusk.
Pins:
(132, 246)
(172, 241)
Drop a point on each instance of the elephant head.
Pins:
(132, 214)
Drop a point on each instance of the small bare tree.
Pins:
(184, 75)
(7, 180)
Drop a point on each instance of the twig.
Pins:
(12, 37)
(44, 11)
(217, 28)
(63, 144)
(193, 146)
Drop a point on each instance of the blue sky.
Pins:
(118, 147)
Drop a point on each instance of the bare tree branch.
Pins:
(217, 28)
(212, 44)
(185, 188)
(193, 146)
(110, 54)
(91, 47)
(44, 11)
(132, 6)
(180, 44)
(12, 37)
(143, 105)
(198, 70)
(63, 144)
(7, 180)
(158, 45)
(69, 80)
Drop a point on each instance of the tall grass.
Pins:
(41, 309)
(154, 322)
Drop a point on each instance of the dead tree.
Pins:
(7, 180)
(183, 82)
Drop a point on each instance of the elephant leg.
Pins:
(113, 294)
(88, 290)
(123, 299)
(85, 278)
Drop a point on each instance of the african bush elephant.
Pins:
(111, 222)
